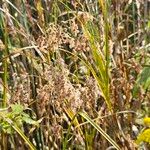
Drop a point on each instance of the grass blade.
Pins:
(100, 130)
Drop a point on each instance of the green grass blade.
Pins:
(18, 130)
(100, 130)
(75, 122)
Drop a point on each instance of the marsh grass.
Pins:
(81, 66)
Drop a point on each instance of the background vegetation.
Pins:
(74, 74)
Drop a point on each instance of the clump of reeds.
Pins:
(80, 68)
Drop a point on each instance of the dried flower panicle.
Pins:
(58, 37)
(21, 90)
(60, 92)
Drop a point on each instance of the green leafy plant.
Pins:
(143, 81)
(12, 121)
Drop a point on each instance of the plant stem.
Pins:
(5, 74)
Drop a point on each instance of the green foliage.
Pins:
(17, 116)
(12, 121)
(144, 78)
(100, 130)
(143, 81)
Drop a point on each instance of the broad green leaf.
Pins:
(17, 109)
(143, 81)
(26, 118)
(144, 76)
